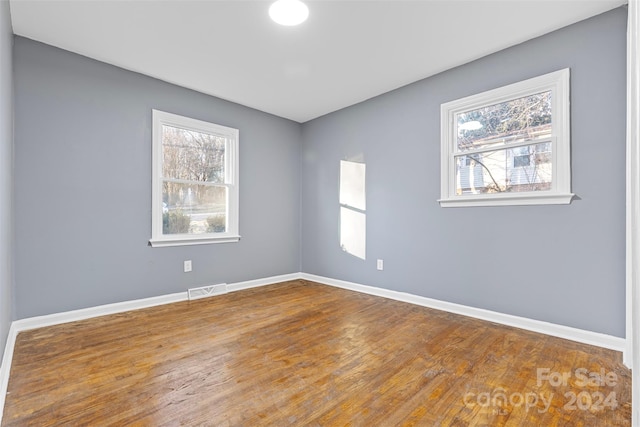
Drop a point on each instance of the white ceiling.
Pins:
(347, 51)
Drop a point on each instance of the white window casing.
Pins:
(230, 182)
(560, 187)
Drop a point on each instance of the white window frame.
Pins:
(231, 135)
(560, 192)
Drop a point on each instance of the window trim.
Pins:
(158, 239)
(560, 193)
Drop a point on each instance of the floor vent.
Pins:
(207, 291)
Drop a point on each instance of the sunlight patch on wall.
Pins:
(353, 219)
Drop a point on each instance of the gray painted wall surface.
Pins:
(561, 264)
(82, 183)
(6, 168)
(83, 186)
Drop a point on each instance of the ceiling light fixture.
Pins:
(289, 12)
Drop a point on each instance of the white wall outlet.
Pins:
(187, 266)
(380, 265)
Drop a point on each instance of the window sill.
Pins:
(510, 199)
(187, 241)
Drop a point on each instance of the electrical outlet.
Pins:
(187, 266)
(380, 265)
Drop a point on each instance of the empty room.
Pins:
(319, 213)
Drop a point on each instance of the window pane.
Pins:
(193, 208)
(192, 156)
(521, 119)
(522, 160)
(516, 169)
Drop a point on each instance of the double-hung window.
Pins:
(195, 182)
(508, 146)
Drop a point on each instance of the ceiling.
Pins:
(346, 52)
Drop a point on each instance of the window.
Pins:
(508, 146)
(521, 161)
(195, 182)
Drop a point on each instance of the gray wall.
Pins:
(82, 189)
(561, 264)
(6, 168)
(83, 186)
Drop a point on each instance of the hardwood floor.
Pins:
(304, 354)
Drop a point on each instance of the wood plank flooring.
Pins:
(304, 354)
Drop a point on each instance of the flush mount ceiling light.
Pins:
(289, 12)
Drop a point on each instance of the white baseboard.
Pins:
(18, 326)
(263, 282)
(103, 310)
(565, 332)
(120, 307)
(5, 368)
(560, 331)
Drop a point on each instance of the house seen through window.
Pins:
(509, 145)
